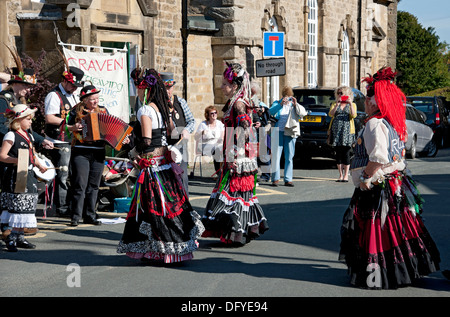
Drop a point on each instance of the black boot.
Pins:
(11, 242)
(23, 243)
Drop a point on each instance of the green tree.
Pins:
(420, 56)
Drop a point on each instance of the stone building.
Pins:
(327, 42)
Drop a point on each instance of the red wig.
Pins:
(389, 98)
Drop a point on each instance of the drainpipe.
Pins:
(358, 81)
(184, 35)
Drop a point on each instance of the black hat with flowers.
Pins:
(74, 76)
(87, 91)
(22, 76)
(19, 74)
(168, 79)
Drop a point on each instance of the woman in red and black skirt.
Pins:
(161, 223)
(233, 213)
(383, 239)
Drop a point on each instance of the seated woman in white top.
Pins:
(209, 136)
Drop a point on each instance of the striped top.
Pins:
(363, 154)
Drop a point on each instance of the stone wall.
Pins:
(242, 24)
(9, 30)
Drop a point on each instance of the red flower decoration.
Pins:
(68, 76)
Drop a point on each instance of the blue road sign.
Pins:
(273, 44)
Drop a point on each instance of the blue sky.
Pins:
(434, 13)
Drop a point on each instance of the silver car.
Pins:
(420, 136)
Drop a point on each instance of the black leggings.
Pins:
(343, 154)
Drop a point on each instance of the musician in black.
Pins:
(87, 160)
(58, 104)
(184, 122)
(19, 202)
(18, 87)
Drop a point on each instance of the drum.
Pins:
(49, 174)
(22, 171)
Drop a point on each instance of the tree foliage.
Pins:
(420, 56)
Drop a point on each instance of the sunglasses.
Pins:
(213, 113)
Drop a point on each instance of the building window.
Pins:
(345, 61)
(312, 41)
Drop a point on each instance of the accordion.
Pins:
(104, 127)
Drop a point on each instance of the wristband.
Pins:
(364, 177)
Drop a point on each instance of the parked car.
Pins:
(314, 127)
(420, 136)
(437, 117)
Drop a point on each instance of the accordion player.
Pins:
(101, 126)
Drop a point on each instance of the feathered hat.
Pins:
(19, 74)
(72, 74)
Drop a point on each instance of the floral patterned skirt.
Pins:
(161, 223)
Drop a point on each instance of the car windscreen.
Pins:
(424, 106)
(309, 99)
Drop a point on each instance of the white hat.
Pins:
(20, 111)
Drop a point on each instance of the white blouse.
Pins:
(210, 135)
(376, 138)
(154, 115)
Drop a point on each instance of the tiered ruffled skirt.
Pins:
(18, 210)
(383, 239)
(233, 213)
(161, 223)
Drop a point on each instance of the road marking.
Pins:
(314, 179)
(266, 191)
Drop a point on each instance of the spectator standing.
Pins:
(288, 114)
(342, 129)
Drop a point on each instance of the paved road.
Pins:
(297, 257)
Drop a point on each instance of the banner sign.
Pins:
(108, 72)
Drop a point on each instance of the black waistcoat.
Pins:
(52, 130)
(178, 118)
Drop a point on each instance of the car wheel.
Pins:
(432, 149)
(413, 150)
